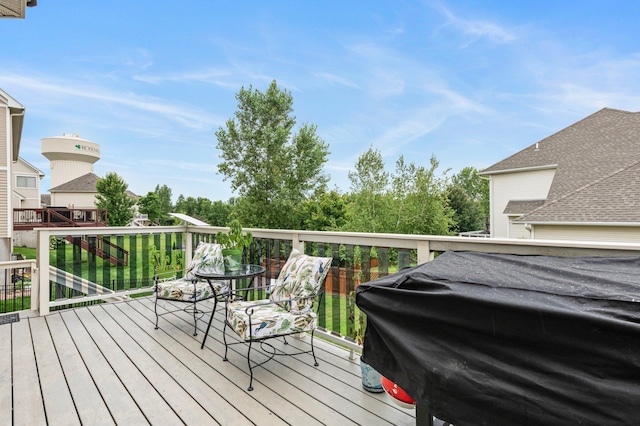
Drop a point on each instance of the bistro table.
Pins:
(245, 271)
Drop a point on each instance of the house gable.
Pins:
(596, 178)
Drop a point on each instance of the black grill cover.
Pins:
(494, 339)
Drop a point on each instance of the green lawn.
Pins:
(334, 312)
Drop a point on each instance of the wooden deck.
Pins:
(106, 364)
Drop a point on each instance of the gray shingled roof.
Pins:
(84, 183)
(522, 206)
(597, 176)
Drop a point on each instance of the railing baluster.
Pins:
(134, 279)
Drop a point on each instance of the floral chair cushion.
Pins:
(207, 259)
(267, 320)
(301, 276)
(185, 290)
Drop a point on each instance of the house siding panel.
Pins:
(4, 206)
(74, 200)
(518, 230)
(530, 185)
(4, 137)
(625, 234)
(31, 195)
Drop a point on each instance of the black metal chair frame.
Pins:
(191, 308)
(267, 348)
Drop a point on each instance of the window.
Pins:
(25, 182)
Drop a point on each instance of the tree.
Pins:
(418, 204)
(164, 196)
(272, 169)
(325, 211)
(150, 205)
(216, 213)
(113, 197)
(477, 189)
(369, 184)
(467, 213)
(409, 201)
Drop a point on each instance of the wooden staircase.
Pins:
(120, 259)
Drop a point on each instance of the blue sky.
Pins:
(469, 82)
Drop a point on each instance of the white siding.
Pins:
(5, 225)
(624, 234)
(529, 185)
(518, 230)
(32, 195)
(5, 125)
(76, 200)
(5, 190)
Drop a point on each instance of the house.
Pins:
(78, 193)
(15, 8)
(11, 122)
(26, 183)
(581, 183)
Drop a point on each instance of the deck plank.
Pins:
(121, 405)
(5, 375)
(108, 364)
(85, 394)
(299, 382)
(344, 383)
(148, 399)
(28, 407)
(58, 403)
(164, 371)
(342, 376)
(234, 380)
(188, 364)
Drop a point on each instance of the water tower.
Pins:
(70, 157)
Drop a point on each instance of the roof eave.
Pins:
(522, 169)
(17, 122)
(542, 222)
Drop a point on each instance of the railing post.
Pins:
(42, 291)
(296, 243)
(424, 252)
(188, 244)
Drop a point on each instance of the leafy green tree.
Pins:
(164, 196)
(150, 205)
(326, 211)
(219, 213)
(272, 168)
(467, 214)
(369, 185)
(216, 213)
(114, 198)
(477, 189)
(409, 201)
(418, 200)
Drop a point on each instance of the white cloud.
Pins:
(336, 79)
(476, 29)
(209, 76)
(167, 110)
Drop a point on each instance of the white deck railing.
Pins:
(425, 245)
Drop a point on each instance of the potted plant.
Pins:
(233, 243)
(371, 379)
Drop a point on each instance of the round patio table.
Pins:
(245, 271)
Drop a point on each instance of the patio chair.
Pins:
(288, 310)
(185, 287)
